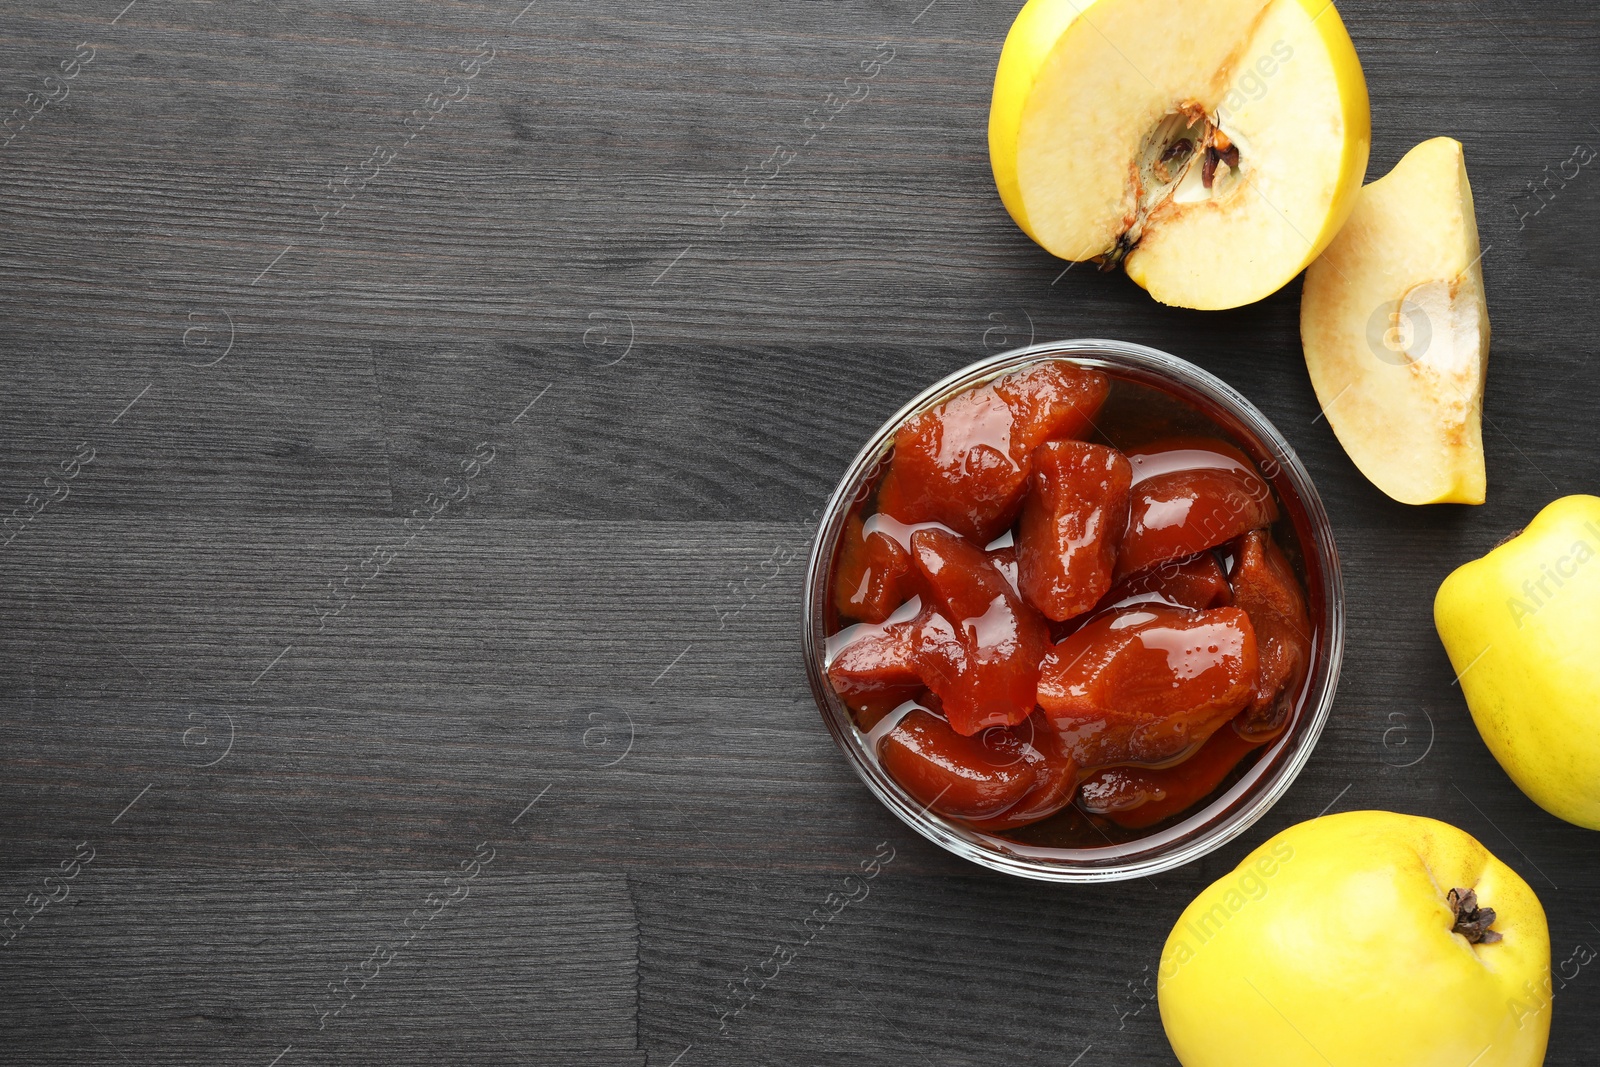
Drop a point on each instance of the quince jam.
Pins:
(1069, 612)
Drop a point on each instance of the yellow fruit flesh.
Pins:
(1079, 90)
(1302, 183)
(1035, 31)
(1074, 166)
(1396, 331)
(1521, 626)
(1342, 952)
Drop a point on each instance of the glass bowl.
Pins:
(1225, 816)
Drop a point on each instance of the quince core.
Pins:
(1396, 331)
(1213, 149)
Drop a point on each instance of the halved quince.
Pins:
(1213, 148)
(1396, 331)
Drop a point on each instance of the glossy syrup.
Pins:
(1138, 413)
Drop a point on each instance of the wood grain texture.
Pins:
(583, 659)
(201, 965)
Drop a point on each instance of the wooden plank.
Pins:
(190, 966)
(599, 629)
(203, 421)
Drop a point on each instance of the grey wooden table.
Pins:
(408, 672)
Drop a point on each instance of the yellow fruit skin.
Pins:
(1522, 628)
(1332, 944)
(1040, 25)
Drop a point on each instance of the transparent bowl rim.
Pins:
(1226, 817)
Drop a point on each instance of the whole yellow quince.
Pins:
(1367, 939)
(1522, 627)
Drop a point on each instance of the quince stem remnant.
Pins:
(1472, 922)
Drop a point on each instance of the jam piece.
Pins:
(1155, 572)
(897, 531)
(1072, 524)
(870, 580)
(1004, 560)
(1146, 685)
(1190, 495)
(872, 666)
(965, 777)
(1197, 582)
(1139, 797)
(979, 651)
(1055, 777)
(1265, 585)
(965, 463)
